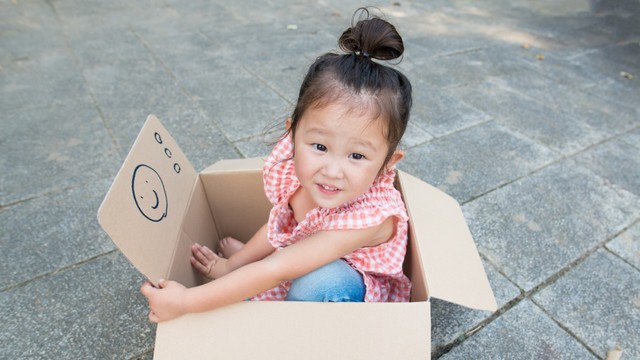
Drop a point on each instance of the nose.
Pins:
(332, 168)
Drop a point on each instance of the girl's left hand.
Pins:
(166, 302)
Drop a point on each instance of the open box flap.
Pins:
(236, 196)
(450, 260)
(145, 206)
(299, 330)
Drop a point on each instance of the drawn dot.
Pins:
(176, 168)
(168, 152)
(158, 138)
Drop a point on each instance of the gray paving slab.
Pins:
(241, 104)
(617, 161)
(597, 301)
(476, 160)
(614, 118)
(48, 149)
(627, 245)
(27, 31)
(190, 52)
(523, 332)
(131, 83)
(90, 311)
(536, 226)
(52, 232)
(447, 70)
(40, 79)
(441, 113)
(632, 137)
(557, 130)
(450, 322)
(77, 79)
(115, 45)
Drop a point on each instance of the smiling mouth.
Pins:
(328, 189)
(157, 200)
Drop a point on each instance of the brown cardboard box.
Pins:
(158, 206)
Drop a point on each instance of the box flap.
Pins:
(236, 196)
(449, 256)
(145, 206)
(297, 330)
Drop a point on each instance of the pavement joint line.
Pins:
(567, 330)
(57, 271)
(176, 81)
(570, 157)
(579, 260)
(153, 54)
(457, 52)
(462, 338)
(88, 88)
(528, 295)
(258, 77)
(45, 194)
(142, 354)
(616, 254)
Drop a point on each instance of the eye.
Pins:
(357, 156)
(319, 147)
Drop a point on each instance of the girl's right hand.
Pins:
(207, 262)
(165, 302)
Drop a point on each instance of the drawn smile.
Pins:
(157, 200)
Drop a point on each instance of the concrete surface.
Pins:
(527, 112)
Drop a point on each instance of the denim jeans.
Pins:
(334, 282)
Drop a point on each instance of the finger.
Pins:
(207, 252)
(153, 317)
(162, 283)
(198, 265)
(204, 256)
(146, 289)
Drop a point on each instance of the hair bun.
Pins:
(372, 36)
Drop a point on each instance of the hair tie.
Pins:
(363, 53)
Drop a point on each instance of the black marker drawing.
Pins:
(149, 193)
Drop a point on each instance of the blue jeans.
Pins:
(334, 282)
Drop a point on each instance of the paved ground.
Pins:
(526, 112)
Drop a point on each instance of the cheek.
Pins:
(302, 166)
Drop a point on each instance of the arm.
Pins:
(214, 266)
(290, 263)
(257, 248)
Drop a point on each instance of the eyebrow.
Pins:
(363, 142)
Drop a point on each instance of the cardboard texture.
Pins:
(158, 206)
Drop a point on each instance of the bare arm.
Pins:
(257, 248)
(288, 264)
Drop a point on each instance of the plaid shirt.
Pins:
(380, 266)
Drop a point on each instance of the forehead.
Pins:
(341, 118)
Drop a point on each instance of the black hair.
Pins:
(355, 77)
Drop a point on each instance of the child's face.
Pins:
(339, 153)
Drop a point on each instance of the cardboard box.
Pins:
(158, 206)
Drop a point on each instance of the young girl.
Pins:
(338, 227)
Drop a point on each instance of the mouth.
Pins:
(157, 200)
(327, 189)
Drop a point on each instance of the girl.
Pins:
(338, 227)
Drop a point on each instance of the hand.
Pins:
(166, 302)
(207, 262)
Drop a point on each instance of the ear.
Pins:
(287, 123)
(395, 157)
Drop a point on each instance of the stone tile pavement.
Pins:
(526, 112)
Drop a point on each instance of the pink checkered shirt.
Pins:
(380, 266)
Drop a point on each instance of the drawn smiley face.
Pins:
(149, 193)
